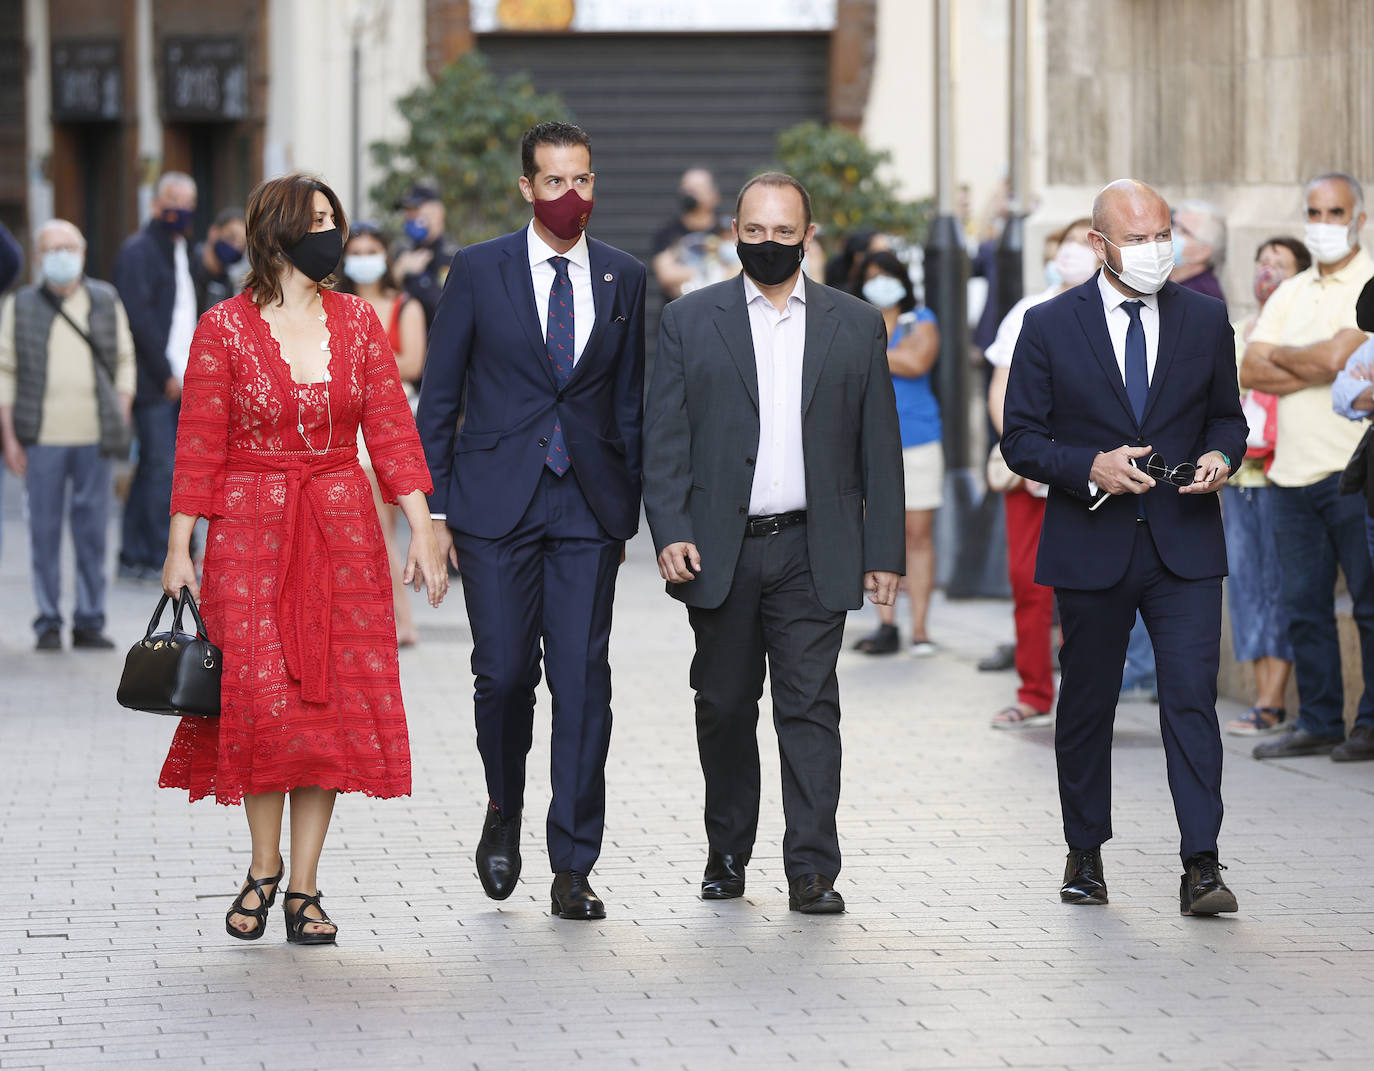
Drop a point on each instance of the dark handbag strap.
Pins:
(157, 616)
(185, 601)
(56, 303)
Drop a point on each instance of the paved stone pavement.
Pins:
(955, 951)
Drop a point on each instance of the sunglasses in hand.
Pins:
(1158, 470)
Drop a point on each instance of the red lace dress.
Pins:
(296, 586)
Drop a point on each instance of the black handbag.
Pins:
(173, 672)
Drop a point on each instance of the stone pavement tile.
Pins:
(955, 953)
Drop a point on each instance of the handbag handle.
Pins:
(186, 601)
(157, 616)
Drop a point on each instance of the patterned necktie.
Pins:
(1137, 369)
(561, 341)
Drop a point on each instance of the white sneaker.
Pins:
(923, 648)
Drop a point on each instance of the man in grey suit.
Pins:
(773, 487)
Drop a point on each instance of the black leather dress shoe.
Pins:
(724, 877)
(573, 897)
(1201, 890)
(1084, 882)
(814, 894)
(498, 854)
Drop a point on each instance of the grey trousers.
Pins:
(52, 469)
(772, 618)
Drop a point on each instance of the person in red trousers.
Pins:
(1073, 262)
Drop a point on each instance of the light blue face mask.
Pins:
(62, 267)
(365, 268)
(1054, 278)
(1180, 248)
(884, 291)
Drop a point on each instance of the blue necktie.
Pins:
(1137, 369)
(561, 341)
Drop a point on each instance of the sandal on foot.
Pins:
(297, 921)
(265, 902)
(1257, 721)
(882, 640)
(1016, 718)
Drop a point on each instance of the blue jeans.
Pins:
(51, 469)
(1317, 528)
(147, 511)
(1254, 588)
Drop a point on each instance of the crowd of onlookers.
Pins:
(90, 370)
(1306, 372)
(91, 375)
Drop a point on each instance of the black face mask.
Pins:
(770, 263)
(317, 254)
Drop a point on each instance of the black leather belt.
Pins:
(774, 523)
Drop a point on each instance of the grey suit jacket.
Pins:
(701, 435)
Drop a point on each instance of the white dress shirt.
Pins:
(779, 344)
(580, 274)
(1118, 321)
(183, 326)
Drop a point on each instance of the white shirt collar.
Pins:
(1112, 298)
(540, 252)
(752, 291)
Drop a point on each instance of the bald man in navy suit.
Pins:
(1123, 398)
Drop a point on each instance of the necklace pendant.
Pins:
(324, 344)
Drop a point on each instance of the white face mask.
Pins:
(1144, 267)
(365, 268)
(884, 291)
(1076, 263)
(62, 267)
(1329, 242)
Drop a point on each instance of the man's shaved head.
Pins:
(1124, 197)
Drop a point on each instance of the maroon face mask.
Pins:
(566, 216)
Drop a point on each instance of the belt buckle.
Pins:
(774, 525)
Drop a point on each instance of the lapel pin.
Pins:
(608, 277)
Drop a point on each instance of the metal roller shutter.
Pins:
(657, 104)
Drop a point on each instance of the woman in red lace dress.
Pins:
(297, 587)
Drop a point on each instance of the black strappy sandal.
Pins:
(260, 912)
(296, 923)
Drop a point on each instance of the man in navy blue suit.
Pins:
(539, 342)
(1123, 399)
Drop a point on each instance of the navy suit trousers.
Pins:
(1184, 621)
(551, 579)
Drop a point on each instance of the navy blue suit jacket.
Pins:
(488, 360)
(1066, 402)
(145, 276)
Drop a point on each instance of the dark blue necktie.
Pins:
(1137, 369)
(561, 341)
